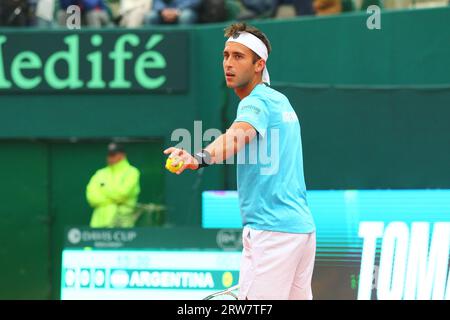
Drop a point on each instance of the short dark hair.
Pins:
(231, 30)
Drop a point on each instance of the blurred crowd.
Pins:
(138, 13)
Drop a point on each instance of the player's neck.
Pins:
(245, 91)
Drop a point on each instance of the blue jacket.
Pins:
(159, 5)
(85, 5)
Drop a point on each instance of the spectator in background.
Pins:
(303, 7)
(173, 12)
(94, 13)
(44, 13)
(257, 9)
(132, 12)
(15, 13)
(327, 7)
(113, 191)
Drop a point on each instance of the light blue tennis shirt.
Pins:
(271, 184)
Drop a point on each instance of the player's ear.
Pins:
(260, 65)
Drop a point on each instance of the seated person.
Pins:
(132, 12)
(173, 12)
(15, 13)
(303, 7)
(257, 9)
(327, 7)
(44, 13)
(94, 13)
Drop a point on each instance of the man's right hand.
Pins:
(178, 155)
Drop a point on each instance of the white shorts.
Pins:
(276, 265)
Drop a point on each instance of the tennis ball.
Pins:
(227, 279)
(172, 168)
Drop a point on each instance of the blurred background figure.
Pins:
(211, 11)
(303, 7)
(113, 191)
(173, 12)
(257, 9)
(44, 13)
(94, 13)
(132, 12)
(15, 13)
(327, 7)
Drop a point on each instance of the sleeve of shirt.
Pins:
(253, 111)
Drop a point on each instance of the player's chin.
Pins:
(230, 82)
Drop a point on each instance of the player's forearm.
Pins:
(226, 145)
(218, 150)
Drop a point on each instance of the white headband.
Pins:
(256, 45)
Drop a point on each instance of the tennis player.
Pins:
(279, 240)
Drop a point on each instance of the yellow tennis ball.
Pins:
(227, 279)
(172, 168)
